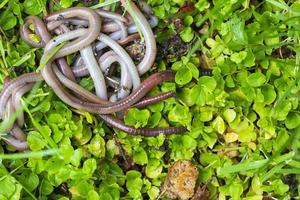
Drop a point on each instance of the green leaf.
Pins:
(35, 141)
(32, 7)
(180, 114)
(153, 192)
(198, 95)
(219, 125)
(66, 3)
(292, 120)
(202, 5)
(153, 169)
(187, 34)
(183, 76)
(30, 180)
(269, 93)
(207, 83)
(97, 146)
(93, 195)
(239, 36)
(238, 57)
(8, 21)
(229, 115)
(188, 20)
(46, 187)
(140, 156)
(137, 118)
(256, 79)
(134, 181)
(89, 166)
(194, 70)
(66, 151)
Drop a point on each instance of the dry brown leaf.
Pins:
(181, 180)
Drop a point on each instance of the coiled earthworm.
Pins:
(88, 58)
(41, 30)
(77, 88)
(80, 70)
(125, 83)
(15, 83)
(86, 39)
(134, 97)
(124, 55)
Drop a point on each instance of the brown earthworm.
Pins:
(116, 123)
(129, 38)
(154, 99)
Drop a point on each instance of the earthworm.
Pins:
(88, 58)
(129, 38)
(150, 42)
(17, 133)
(124, 55)
(41, 30)
(80, 70)
(139, 93)
(113, 26)
(77, 88)
(15, 83)
(18, 145)
(86, 39)
(147, 132)
(16, 98)
(74, 21)
(134, 97)
(78, 33)
(110, 15)
(154, 99)
(95, 72)
(118, 34)
(126, 83)
(123, 29)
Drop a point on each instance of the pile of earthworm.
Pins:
(96, 40)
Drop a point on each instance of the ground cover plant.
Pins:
(243, 121)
